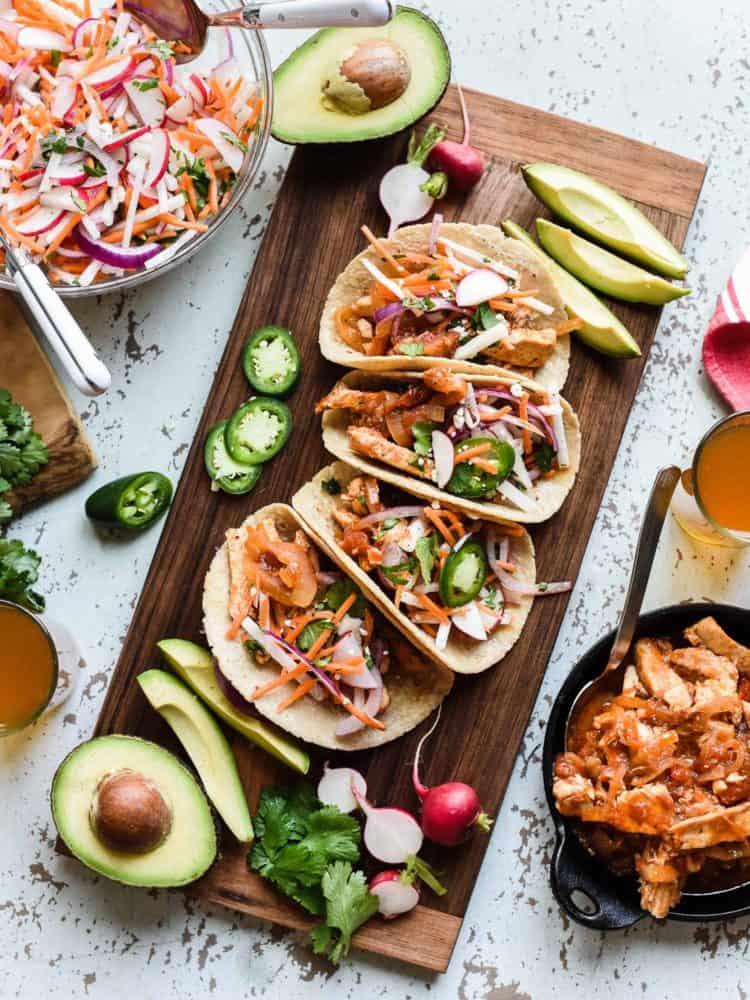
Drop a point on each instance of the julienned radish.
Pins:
(449, 811)
(463, 164)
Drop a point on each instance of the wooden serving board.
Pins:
(31, 380)
(314, 232)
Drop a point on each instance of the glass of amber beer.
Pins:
(714, 505)
(28, 668)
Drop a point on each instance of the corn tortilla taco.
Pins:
(459, 589)
(494, 446)
(295, 637)
(397, 305)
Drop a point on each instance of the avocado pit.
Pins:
(372, 75)
(129, 813)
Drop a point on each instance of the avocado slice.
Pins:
(205, 744)
(132, 812)
(195, 666)
(304, 113)
(601, 329)
(603, 270)
(606, 216)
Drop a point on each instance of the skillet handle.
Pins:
(570, 873)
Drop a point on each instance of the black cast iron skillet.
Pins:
(614, 900)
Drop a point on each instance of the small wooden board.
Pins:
(313, 234)
(31, 380)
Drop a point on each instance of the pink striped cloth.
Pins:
(726, 346)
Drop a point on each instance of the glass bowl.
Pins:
(252, 53)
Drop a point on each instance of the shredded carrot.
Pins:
(264, 611)
(344, 607)
(429, 605)
(304, 688)
(362, 716)
(314, 651)
(384, 252)
(502, 412)
(520, 293)
(288, 675)
(569, 325)
(469, 454)
(523, 412)
(489, 467)
(398, 596)
(434, 517)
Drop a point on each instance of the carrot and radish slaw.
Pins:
(111, 156)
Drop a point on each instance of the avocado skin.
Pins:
(302, 69)
(195, 666)
(639, 239)
(111, 865)
(602, 330)
(605, 271)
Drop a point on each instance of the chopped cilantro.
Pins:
(338, 592)
(426, 551)
(55, 57)
(97, 170)
(485, 317)
(422, 431)
(544, 456)
(348, 904)
(401, 574)
(410, 348)
(234, 140)
(163, 48)
(112, 43)
(331, 486)
(422, 304)
(312, 632)
(253, 646)
(145, 85)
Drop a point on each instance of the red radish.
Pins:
(449, 811)
(463, 164)
(65, 97)
(125, 138)
(445, 457)
(181, 110)
(224, 140)
(404, 190)
(394, 895)
(43, 38)
(40, 221)
(479, 286)
(390, 835)
(158, 160)
(85, 32)
(28, 174)
(197, 90)
(114, 73)
(335, 787)
(150, 104)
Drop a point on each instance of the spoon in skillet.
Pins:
(611, 677)
(183, 20)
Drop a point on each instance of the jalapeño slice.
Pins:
(470, 481)
(258, 430)
(271, 361)
(230, 476)
(463, 575)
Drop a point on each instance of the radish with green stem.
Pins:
(396, 890)
(463, 164)
(408, 191)
(449, 811)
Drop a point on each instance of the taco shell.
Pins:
(548, 494)
(462, 654)
(355, 281)
(415, 685)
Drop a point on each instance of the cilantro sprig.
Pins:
(307, 851)
(22, 451)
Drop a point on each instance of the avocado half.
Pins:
(303, 115)
(143, 802)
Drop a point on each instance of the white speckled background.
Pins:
(669, 72)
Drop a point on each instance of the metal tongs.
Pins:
(49, 316)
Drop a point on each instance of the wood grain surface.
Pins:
(30, 378)
(313, 233)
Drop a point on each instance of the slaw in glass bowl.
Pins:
(251, 57)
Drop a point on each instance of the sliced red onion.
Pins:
(392, 309)
(327, 579)
(393, 554)
(79, 32)
(327, 682)
(129, 258)
(445, 457)
(396, 512)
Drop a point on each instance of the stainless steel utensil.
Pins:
(184, 21)
(648, 539)
(49, 315)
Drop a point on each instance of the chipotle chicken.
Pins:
(659, 776)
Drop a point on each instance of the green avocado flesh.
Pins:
(195, 666)
(601, 329)
(603, 214)
(604, 270)
(205, 744)
(302, 114)
(189, 848)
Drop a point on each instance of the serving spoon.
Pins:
(184, 21)
(648, 539)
